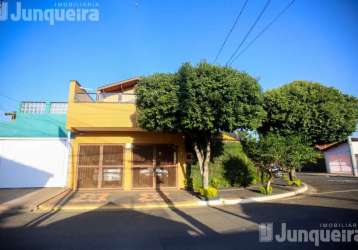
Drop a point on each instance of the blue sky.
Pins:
(314, 40)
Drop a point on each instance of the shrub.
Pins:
(297, 182)
(208, 193)
(221, 176)
(265, 191)
(215, 182)
(238, 171)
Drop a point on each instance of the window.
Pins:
(89, 155)
(33, 107)
(58, 108)
(154, 166)
(100, 166)
(143, 155)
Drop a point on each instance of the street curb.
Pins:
(298, 191)
(218, 202)
(8, 209)
(39, 204)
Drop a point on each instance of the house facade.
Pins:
(342, 157)
(34, 146)
(108, 148)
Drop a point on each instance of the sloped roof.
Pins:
(324, 147)
(119, 86)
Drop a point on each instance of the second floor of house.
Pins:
(36, 119)
(109, 108)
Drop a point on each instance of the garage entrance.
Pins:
(154, 166)
(100, 166)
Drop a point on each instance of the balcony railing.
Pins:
(43, 107)
(105, 97)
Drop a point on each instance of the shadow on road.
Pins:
(130, 229)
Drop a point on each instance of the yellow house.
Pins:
(110, 151)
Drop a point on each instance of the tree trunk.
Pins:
(206, 176)
(206, 166)
(200, 157)
(203, 157)
(268, 184)
(262, 175)
(292, 174)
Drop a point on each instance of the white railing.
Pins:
(105, 97)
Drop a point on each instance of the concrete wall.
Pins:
(355, 147)
(338, 159)
(33, 162)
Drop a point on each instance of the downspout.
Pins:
(353, 160)
(69, 158)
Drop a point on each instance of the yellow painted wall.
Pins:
(84, 115)
(128, 139)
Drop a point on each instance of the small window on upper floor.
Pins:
(58, 108)
(33, 107)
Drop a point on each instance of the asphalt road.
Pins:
(333, 200)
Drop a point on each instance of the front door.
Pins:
(154, 166)
(100, 166)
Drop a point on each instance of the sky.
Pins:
(314, 40)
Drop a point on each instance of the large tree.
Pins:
(313, 111)
(200, 101)
(296, 154)
(267, 151)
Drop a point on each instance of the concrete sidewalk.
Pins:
(25, 199)
(119, 199)
(327, 175)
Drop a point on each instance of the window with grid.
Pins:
(143, 155)
(58, 108)
(88, 166)
(166, 155)
(112, 166)
(33, 107)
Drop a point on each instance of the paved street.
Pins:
(333, 200)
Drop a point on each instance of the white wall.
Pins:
(33, 162)
(355, 147)
(338, 159)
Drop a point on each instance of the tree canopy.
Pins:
(157, 102)
(214, 99)
(200, 101)
(313, 111)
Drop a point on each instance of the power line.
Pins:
(9, 98)
(231, 30)
(264, 29)
(249, 31)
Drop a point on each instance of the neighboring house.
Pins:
(33, 146)
(341, 157)
(109, 150)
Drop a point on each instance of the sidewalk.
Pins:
(25, 199)
(327, 174)
(119, 199)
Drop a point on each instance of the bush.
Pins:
(208, 193)
(265, 191)
(231, 155)
(297, 182)
(238, 171)
(215, 182)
